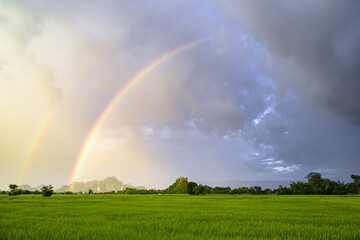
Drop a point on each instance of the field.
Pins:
(179, 217)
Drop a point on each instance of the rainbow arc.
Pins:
(87, 143)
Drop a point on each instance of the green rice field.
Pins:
(179, 217)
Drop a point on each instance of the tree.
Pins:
(355, 186)
(13, 187)
(340, 188)
(242, 190)
(356, 178)
(283, 190)
(90, 191)
(315, 180)
(257, 189)
(24, 191)
(191, 187)
(201, 189)
(14, 190)
(47, 191)
(328, 186)
(221, 190)
(267, 191)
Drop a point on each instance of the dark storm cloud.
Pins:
(222, 86)
(233, 107)
(215, 82)
(317, 44)
(299, 135)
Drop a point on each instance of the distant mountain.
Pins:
(237, 183)
(30, 188)
(107, 185)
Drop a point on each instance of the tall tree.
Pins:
(355, 186)
(191, 187)
(47, 191)
(14, 190)
(315, 180)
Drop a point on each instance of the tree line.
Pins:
(315, 185)
(14, 190)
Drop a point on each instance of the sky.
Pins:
(262, 91)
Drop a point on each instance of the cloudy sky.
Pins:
(271, 92)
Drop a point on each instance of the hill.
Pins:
(107, 185)
(30, 188)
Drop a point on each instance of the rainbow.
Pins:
(111, 105)
(42, 128)
(35, 141)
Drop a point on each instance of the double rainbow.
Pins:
(80, 160)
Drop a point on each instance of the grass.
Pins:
(179, 217)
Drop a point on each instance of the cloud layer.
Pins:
(315, 47)
(272, 94)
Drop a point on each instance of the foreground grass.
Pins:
(179, 217)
